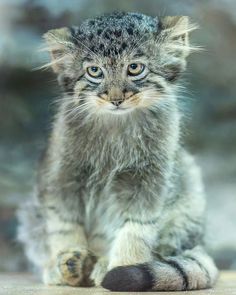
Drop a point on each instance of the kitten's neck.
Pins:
(125, 141)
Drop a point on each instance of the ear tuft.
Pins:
(58, 35)
(177, 22)
(60, 45)
(177, 29)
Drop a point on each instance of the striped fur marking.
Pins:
(181, 271)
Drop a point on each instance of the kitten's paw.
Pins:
(75, 267)
(99, 271)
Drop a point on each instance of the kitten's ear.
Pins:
(61, 46)
(176, 29)
(174, 41)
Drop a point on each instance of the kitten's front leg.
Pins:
(70, 263)
(140, 196)
(133, 243)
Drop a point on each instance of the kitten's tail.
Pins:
(191, 270)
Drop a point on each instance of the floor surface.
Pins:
(25, 284)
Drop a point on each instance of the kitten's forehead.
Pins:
(112, 34)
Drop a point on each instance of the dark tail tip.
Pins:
(129, 278)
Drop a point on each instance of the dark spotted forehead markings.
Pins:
(137, 16)
(112, 34)
(130, 31)
(99, 32)
(117, 33)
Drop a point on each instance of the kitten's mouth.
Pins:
(119, 110)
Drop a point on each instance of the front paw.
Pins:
(75, 267)
(99, 271)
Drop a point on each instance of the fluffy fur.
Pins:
(119, 202)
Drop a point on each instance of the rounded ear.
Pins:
(176, 30)
(173, 41)
(178, 25)
(61, 46)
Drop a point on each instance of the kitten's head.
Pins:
(120, 62)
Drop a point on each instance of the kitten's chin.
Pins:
(118, 111)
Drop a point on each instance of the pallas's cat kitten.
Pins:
(119, 202)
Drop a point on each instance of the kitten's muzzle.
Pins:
(116, 96)
(117, 102)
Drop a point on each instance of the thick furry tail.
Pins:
(192, 270)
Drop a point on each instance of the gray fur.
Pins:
(119, 187)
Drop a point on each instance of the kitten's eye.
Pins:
(95, 72)
(135, 69)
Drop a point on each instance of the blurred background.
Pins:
(26, 106)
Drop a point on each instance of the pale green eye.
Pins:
(135, 69)
(95, 72)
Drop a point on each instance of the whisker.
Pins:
(135, 47)
(86, 47)
(74, 111)
(63, 99)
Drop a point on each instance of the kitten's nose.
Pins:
(117, 102)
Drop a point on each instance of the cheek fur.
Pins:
(155, 90)
(101, 102)
(134, 101)
(80, 86)
(149, 97)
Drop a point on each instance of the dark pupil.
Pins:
(133, 66)
(94, 69)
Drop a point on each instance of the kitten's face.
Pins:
(118, 86)
(119, 63)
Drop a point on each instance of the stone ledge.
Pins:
(26, 284)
